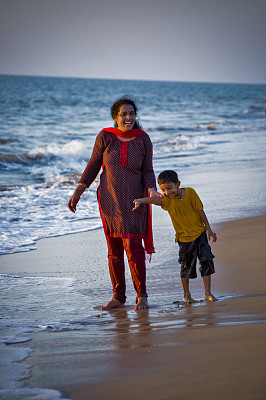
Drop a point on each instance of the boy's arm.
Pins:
(147, 200)
(210, 233)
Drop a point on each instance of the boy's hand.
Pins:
(212, 235)
(137, 204)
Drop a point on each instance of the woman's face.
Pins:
(125, 118)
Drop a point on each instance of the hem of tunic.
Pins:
(118, 235)
(126, 235)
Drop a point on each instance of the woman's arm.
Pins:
(147, 167)
(94, 165)
(90, 172)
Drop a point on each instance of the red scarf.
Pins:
(148, 242)
(126, 135)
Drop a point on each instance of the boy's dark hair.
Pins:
(167, 176)
(115, 108)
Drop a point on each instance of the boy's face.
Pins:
(170, 189)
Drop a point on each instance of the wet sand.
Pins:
(209, 351)
(202, 351)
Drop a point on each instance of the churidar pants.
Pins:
(136, 260)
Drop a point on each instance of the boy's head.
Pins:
(169, 183)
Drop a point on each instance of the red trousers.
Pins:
(136, 260)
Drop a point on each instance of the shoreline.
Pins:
(159, 217)
(168, 351)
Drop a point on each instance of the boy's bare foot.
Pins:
(113, 303)
(142, 304)
(210, 297)
(188, 300)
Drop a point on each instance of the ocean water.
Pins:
(208, 132)
(213, 135)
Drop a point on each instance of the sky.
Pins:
(166, 40)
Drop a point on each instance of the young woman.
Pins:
(125, 154)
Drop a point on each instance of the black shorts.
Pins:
(189, 252)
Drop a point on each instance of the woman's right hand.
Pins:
(72, 202)
(74, 199)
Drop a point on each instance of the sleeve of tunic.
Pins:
(147, 168)
(95, 163)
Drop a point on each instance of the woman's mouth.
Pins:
(128, 124)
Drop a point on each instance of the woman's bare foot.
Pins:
(210, 297)
(142, 304)
(113, 303)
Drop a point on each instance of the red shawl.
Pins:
(127, 135)
(148, 242)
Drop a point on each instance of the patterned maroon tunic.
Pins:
(127, 174)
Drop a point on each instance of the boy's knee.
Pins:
(188, 271)
(206, 268)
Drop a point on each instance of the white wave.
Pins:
(14, 373)
(31, 394)
(37, 211)
(177, 143)
(74, 149)
(14, 339)
(211, 126)
(12, 370)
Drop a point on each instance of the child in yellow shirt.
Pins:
(190, 223)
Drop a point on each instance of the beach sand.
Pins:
(202, 351)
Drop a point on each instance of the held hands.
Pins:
(154, 198)
(152, 193)
(137, 204)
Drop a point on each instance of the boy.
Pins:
(190, 222)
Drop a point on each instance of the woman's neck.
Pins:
(125, 139)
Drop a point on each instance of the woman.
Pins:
(125, 154)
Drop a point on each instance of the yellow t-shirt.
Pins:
(184, 215)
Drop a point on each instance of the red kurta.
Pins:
(127, 174)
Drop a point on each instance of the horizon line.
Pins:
(127, 79)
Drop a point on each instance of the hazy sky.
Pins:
(180, 40)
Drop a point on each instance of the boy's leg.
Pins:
(207, 285)
(187, 260)
(206, 265)
(187, 294)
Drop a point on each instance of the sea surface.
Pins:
(48, 128)
(212, 134)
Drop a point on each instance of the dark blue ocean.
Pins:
(213, 135)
